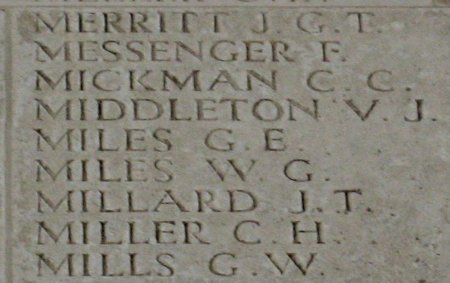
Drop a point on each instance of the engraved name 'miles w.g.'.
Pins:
(244, 143)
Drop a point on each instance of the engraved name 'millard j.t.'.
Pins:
(200, 201)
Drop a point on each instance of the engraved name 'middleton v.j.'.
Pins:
(212, 109)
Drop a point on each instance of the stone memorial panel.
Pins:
(225, 141)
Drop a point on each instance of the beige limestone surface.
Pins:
(225, 141)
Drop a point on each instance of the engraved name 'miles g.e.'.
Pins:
(246, 141)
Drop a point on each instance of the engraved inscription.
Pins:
(227, 144)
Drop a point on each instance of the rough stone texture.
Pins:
(189, 148)
(442, 2)
(3, 100)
